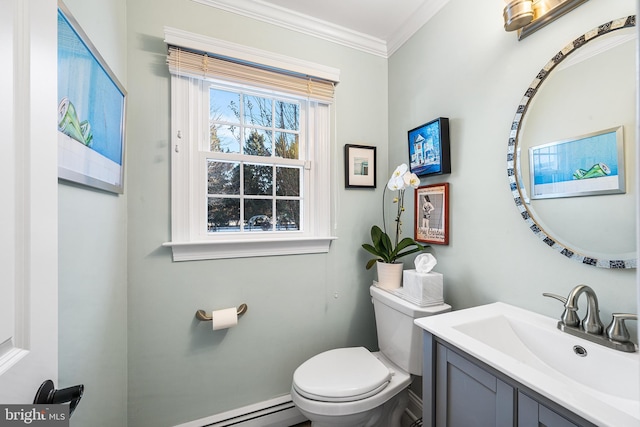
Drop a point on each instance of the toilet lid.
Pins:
(341, 375)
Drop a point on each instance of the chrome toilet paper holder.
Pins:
(202, 315)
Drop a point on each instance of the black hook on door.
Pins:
(47, 394)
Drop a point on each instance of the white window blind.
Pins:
(197, 64)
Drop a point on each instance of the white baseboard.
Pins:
(281, 412)
(276, 412)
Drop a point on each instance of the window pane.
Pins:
(287, 115)
(224, 106)
(223, 215)
(223, 177)
(257, 111)
(259, 214)
(224, 138)
(287, 181)
(258, 180)
(288, 215)
(287, 145)
(257, 143)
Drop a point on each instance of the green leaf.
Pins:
(406, 242)
(385, 245)
(412, 251)
(371, 249)
(371, 263)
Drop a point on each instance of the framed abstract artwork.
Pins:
(359, 166)
(91, 112)
(586, 165)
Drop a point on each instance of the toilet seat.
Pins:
(341, 375)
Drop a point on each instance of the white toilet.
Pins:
(354, 387)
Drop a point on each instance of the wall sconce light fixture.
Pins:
(528, 16)
(517, 14)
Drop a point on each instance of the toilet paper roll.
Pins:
(223, 319)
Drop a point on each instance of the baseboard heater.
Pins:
(414, 409)
(277, 412)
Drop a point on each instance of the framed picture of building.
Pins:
(359, 166)
(429, 152)
(91, 112)
(432, 214)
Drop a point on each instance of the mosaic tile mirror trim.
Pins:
(629, 21)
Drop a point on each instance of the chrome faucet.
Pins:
(591, 328)
(591, 322)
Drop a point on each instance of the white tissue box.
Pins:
(423, 288)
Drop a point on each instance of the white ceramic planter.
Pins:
(389, 275)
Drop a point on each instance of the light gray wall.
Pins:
(461, 65)
(464, 66)
(93, 260)
(180, 370)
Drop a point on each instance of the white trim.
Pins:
(271, 413)
(221, 249)
(215, 46)
(301, 23)
(324, 30)
(416, 21)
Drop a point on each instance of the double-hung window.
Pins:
(250, 156)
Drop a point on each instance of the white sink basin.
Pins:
(602, 386)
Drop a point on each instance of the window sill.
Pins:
(221, 249)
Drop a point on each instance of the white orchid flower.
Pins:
(411, 180)
(396, 183)
(400, 170)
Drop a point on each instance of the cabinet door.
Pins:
(533, 414)
(469, 396)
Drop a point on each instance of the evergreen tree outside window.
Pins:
(264, 130)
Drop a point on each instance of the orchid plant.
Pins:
(383, 248)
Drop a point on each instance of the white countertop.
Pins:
(503, 336)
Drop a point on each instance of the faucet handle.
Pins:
(558, 297)
(569, 315)
(617, 330)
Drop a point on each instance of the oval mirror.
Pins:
(571, 153)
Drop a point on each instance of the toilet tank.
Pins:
(398, 338)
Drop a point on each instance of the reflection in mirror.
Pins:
(588, 87)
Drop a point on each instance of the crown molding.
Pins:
(301, 23)
(420, 17)
(305, 24)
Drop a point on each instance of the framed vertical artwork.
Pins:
(359, 166)
(429, 148)
(91, 112)
(432, 214)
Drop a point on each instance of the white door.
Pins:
(28, 199)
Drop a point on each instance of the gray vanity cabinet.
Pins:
(468, 395)
(460, 391)
(533, 414)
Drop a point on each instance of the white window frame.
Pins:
(190, 129)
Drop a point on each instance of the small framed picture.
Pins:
(429, 148)
(359, 166)
(432, 214)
